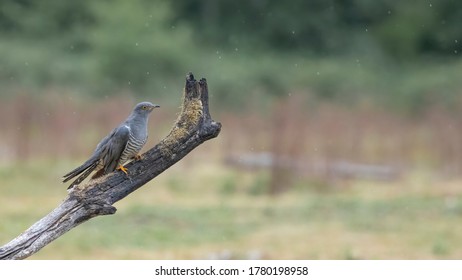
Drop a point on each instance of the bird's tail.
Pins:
(84, 170)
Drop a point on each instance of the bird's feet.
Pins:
(137, 157)
(124, 170)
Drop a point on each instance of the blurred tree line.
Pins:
(403, 29)
(143, 46)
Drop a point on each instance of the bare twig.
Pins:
(193, 126)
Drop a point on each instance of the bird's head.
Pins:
(144, 108)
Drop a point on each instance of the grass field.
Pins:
(200, 210)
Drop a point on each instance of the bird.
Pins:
(123, 143)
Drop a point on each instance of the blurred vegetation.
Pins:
(364, 220)
(401, 53)
(307, 86)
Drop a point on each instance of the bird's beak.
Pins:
(153, 106)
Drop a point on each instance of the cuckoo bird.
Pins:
(121, 145)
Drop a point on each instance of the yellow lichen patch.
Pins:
(79, 189)
(187, 121)
(99, 180)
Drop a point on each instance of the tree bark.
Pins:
(193, 126)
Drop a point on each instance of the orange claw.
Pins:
(124, 170)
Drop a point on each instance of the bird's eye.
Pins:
(144, 107)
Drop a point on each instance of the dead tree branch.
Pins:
(193, 126)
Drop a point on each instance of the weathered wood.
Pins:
(95, 198)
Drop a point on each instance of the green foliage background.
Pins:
(405, 54)
(333, 83)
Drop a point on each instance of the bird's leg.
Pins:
(124, 170)
(137, 157)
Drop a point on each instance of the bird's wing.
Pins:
(105, 150)
(112, 147)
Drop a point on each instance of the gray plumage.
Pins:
(121, 145)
